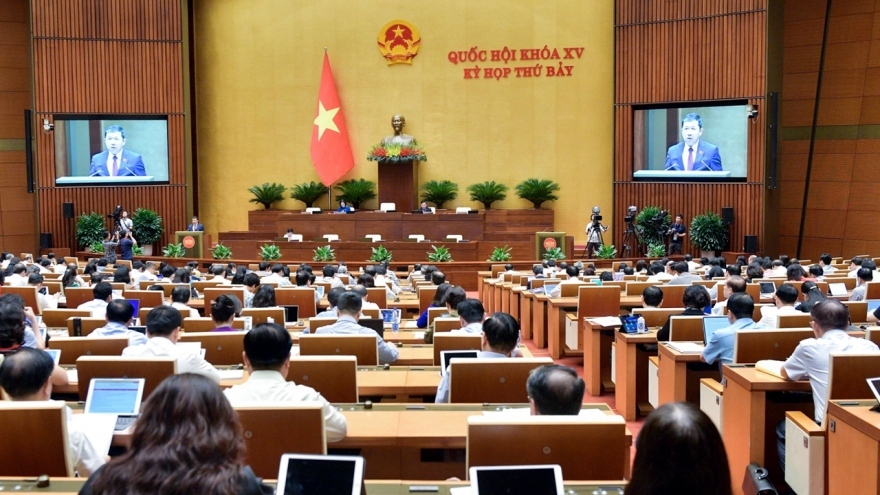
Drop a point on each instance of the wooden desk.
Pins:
(631, 371)
(483, 286)
(597, 357)
(853, 440)
(556, 310)
(539, 320)
(752, 409)
(679, 375)
(515, 302)
(525, 311)
(505, 289)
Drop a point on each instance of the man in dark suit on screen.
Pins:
(693, 154)
(195, 226)
(116, 161)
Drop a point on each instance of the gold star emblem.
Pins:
(324, 120)
(398, 33)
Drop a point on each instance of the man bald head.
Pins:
(555, 390)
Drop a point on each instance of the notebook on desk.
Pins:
(120, 396)
(446, 357)
(320, 475)
(837, 289)
(517, 480)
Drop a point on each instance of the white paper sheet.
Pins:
(98, 428)
(231, 374)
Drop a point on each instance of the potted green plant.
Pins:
(90, 229)
(656, 250)
(439, 192)
(380, 254)
(221, 252)
(537, 191)
(554, 253)
(500, 254)
(146, 228)
(708, 233)
(267, 194)
(652, 223)
(173, 251)
(308, 192)
(488, 192)
(356, 191)
(270, 252)
(606, 252)
(97, 247)
(137, 250)
(439, 254)
(324, 253)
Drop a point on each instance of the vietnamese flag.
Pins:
(330, 149)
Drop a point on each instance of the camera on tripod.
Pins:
(596, 217)
(630, 214)
(660, 218)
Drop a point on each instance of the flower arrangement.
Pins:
(396, 153)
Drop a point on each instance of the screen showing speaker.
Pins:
(111, 149)
(697, 142)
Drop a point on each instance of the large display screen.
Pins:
(111, 150)
(691, 143)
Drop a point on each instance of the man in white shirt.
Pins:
(864, 276)
(277, 276)
(45, 301)
(682, 275)
(854, 266)
(555, 390)
(825, 262)
(471, 315)
(812, 358)
(660, 273)
(362, 291)
(267, 359)
(786, 297)
(25, 376)
(329, 275)
(144, 272)
(19, 276)
(251, 284)
(163, 331)
(349, 307)
(572, 279)
(732, 285)
(120, 314)
(219, 275)
(304, 280)
(102, 292)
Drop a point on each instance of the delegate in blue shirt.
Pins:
(720, 346)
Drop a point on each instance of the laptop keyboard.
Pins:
(123, 422)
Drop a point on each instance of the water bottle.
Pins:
(640, 326)
(395, 321)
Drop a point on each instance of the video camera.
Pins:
(630, 214)
(660, 218)
(596, 217)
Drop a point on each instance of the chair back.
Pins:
(304, 297)
(316, 323)
(35, 438)
(168, 288)
(426, 296)
(454, 342)
(153, 370)
(212, 293)
(796, 321)
(363, 347)
(434, 313)
(377, 295)
(597, 301)
(570, 289)
(221, 348)
(201, 285)
(673, 294)
(147, 298)
(87, 325)
(585, 448)
(637, 288)
(57, 318)
(303, 433)
(496, 270)
(499, 380)
(848, 375)
(751, 346)
(858, 311)
(873, 334)
(202, 324)
(656, 317)
(686, 328)
(76, 296)
(334, 377)
(28, 293)
(262, 315)
(446, 324)
(73, 347)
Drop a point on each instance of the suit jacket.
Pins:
(706, 158)
(132, 164)
(199, 228)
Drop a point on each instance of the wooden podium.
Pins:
(192, 242)
(399, 184)
(545, 240)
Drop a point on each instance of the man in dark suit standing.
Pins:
(195, 226)
(693, 154)
(116, 161)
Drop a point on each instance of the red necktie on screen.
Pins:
(690, 165)
(116, 166)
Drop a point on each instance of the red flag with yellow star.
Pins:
(331, 149)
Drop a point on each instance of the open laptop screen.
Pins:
(873, 304)
(136, 304)
(711, 324)
(548, 288)
(320, 475)
(291, 313)
(516, 480)
(115, 395)
(377, 324)
(446, 357)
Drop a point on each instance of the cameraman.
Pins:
(594, 233)
(678, 230)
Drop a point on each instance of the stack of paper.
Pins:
(770, 366)
(605, 321)
(686, 347)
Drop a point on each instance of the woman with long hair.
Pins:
(264, 297)
(812, 296)
(438, 302)
(186, 440)
(71, 278)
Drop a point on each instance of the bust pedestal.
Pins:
(399, 183)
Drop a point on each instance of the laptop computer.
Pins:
(548, 288)
(874, 383)
(291, 313)
(711, 324)
(873, 304)
(301, 474)
(320, 290)
(517, 480)
(837, 289)
(377, 324)
(55, 353)
(136, 304)
(120, 396)
(768, 289)
(139, 328)
(446, 357)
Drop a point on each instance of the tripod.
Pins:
(629, 236)
(594, 231)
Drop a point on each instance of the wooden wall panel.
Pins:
(683, 51)
(75, 43)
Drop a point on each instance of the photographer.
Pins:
(110, 243)
(678, 230)
(594, 232)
